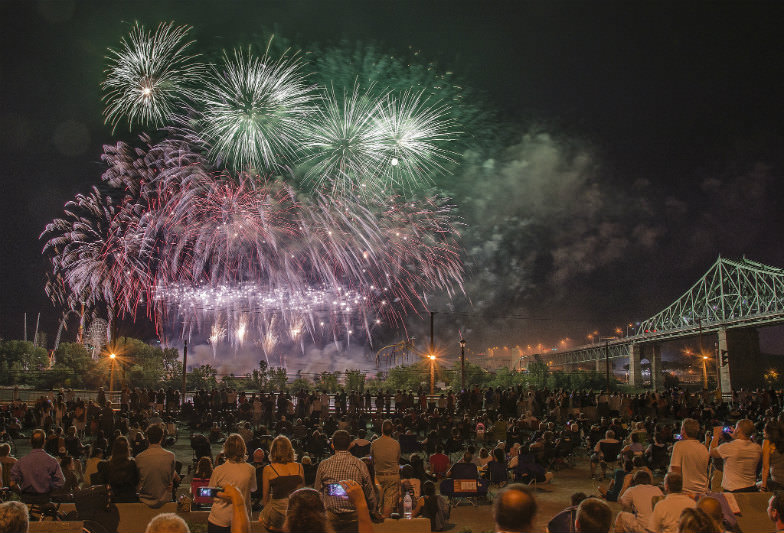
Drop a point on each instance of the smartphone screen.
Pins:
(336, 489)
(209, 492)
(678, 436)
(727, 429)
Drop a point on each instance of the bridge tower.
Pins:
(635, 370)
(739, 362)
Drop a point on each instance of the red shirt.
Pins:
(439, 463)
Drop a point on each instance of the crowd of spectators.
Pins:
(282, 450)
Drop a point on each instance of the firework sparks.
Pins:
(254, 110)
(150, 75)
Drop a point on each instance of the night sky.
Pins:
(675, 106)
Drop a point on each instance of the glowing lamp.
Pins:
(394, 161)
(112, 355)
(432, 357)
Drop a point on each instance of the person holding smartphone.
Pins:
(741, 457)
(690, 458)
(234, 471)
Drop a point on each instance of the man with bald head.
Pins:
(712, 507)
(514, 509)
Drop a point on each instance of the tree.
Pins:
(25, 361)
(474, 375)
(327, 381)
(203, 377)
(354, 380)
(537, 374)
(278, 379)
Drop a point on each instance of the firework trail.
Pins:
(150, 76)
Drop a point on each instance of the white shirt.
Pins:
(741, 457)
(243, 477)
(639, 498)
(692, 457)
(667, 513)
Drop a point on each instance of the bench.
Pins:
(56, 527)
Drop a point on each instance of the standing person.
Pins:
(157, 471)
(667, 513)
(385, 452)
(690, 458)
(741, 457)
(279, 479)
(341, 467)
(237, 472)
(773, 457)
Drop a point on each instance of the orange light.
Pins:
(112, 355)
(432, 357)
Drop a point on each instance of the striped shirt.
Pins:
(341, 467)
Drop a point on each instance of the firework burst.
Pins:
(253, 111)
(150, 75)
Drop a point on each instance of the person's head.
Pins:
(483, 453)
(341, 440)
(66, 463)
(514, 508)
(609, 434)
(593, 516)
(467, 457)
(167, 523)
(697, 521)
(628, 466)
(638, 461)
(577, 497)
(690, 428)
(37, 439)
(673, 482)
(744, 428)
(712, 507)
(234, 448)
(776, 507)
(281, 450)
(428, 488)
(13, 517)
(121, 450)
(306, 512)
(306, 460)
(155, 434)
(258, 455)
(407, 472)
(641, 477)
(203, 468)
(387, 427)
(5, 449)
(499, 455)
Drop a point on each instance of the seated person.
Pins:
(201, 478)
(310, 470)
(563, 522)
(603, 451)
(464, 469)
(409, 482)
(617, 483)
(432, 506)
(496, 469)
(634, 448)
(439, 462)
(526, 469)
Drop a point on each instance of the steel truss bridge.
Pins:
(731, 294)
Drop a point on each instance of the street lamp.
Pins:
(113, 357)
(462, 364)
(432, 374)
(705, 370)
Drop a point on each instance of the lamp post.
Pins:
(705, 370)
(462, 364)
(113, 357)
(432, 374)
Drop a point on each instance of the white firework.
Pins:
(344, 148)
(413, 133)
(150, 76)
(254, 111)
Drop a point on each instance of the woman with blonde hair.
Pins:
(279, 480)
(234, 471)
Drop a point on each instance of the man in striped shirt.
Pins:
(341, 467)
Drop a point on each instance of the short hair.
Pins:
(387, 427)
(306, 511)
(746, 427)
(5, 449)
(38, 438)
(610, 434)
(167, 523)
(577, 497)
(514, 508)
(593, 516)
(13, 517)
(697, 521)
(234, 448)
(777, 503)
(341, 440)
(673, 482)
(154, 434)
(281, 450)
(690, 428)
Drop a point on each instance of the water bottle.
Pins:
(407, 505)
